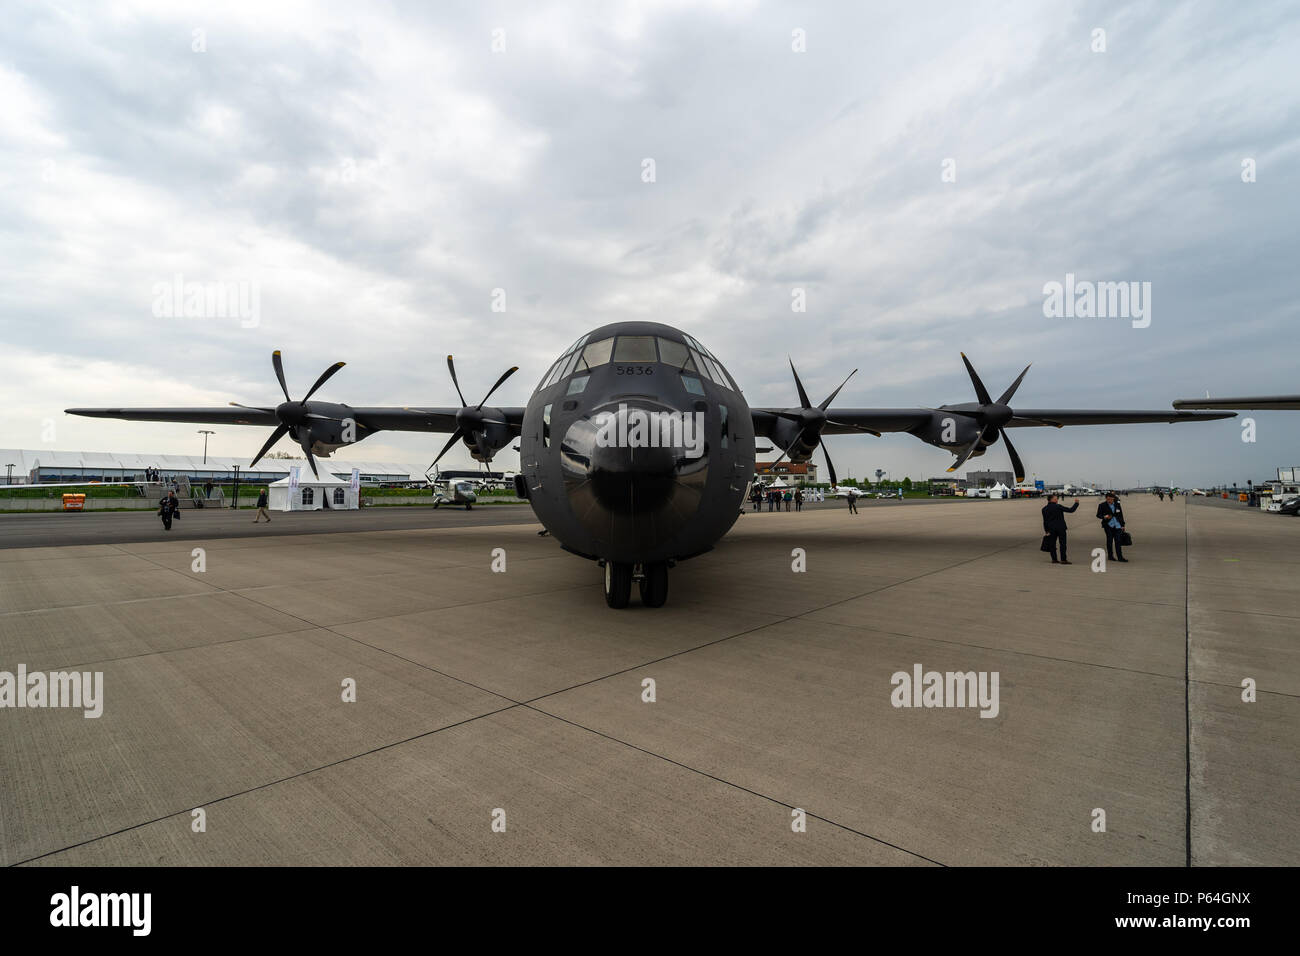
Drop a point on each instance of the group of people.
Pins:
(152, 474)
(1110, 513)
(776, 497)
(169, 507)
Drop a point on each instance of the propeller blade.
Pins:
(508, 373)
(829, 465)
(311, 459)
(324, 377)
(1006, 396)
(1016, 463)
(279, 373)
(981, 392)
(965, 455)
(830, 398)
(280, 432)
(803, 394)
(455, 437)
(452, 368)
(861, 428)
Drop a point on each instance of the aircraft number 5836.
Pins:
(634, 370)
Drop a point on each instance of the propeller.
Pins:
(471, 421)
(813, 418)
(290, 414)
(992, 417)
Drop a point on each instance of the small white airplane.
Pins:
(848, 491)
(453, 491)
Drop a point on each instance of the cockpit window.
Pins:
(552, 375)
(634, 348)
(597, 353)
(693, 384)
(702, 365)
(675, 354)
(577, 384)
(575, 346)
(695, 344)
(569, 363)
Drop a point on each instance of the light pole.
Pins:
(205, 433)
(9, 473)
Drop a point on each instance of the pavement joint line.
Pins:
(513, 704)
(758, 627)
(733, 784)
(347, 637)
(1007, 650)
(1187, 680)
(176, 650)
(263, 786)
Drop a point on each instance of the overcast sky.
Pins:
(377, 170)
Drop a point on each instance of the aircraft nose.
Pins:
(634, 475)
(625, 480)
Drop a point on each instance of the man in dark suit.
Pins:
(1111, 515)
(1054, 525)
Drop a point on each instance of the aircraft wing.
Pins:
(379, 418)
(849, 421)
(424, 418)
(1254, 402)
(201, 416)
(1059, 417)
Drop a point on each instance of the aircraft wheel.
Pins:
(618, 584)
(654, 585)
(435, 505)
(469, 507)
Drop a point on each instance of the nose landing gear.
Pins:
(652, 579)
(618, 583)
(654, 584)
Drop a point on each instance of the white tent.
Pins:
(999, 491)
(312, 494)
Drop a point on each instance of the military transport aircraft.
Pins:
(637, 447)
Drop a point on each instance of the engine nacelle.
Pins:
(786, 432)
(951, 432)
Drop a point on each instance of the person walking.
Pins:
(1054, 526)
(788, 498)
(262, 501)
(853, 502)
(168, 508)
(798, 499)
(1111, 515)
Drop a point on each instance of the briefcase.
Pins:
(1047, 544)
(1125, 539)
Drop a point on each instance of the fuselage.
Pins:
(637, 446)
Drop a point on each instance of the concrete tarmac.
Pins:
(519, 696)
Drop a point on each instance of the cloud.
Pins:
(379, 170)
